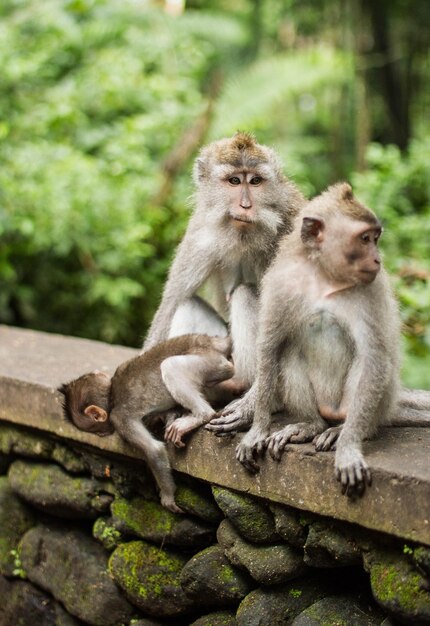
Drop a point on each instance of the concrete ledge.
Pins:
(34, 364)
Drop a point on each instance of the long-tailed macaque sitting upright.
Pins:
(182, 371)
(329, 335)
(243, 205)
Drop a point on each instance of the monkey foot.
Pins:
(327, 440)
(169, 503)
(292, 433)
(180, 427)
(251, 446)
(352, 472)
(231, 420)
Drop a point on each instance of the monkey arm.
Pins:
(370, 388)
(275, 336)
(191, 267)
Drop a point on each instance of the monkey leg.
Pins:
(132, 430)
(327, 439)
(243, 330)
(195, 315)
(185, 376)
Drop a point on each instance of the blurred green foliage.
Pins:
(94, 96)
(398, 189)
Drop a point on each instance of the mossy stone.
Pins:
(220, 618)
(19, 441)
(22, 604)
(267, 565)
(330, 545)
(150, 578)
(105, 532)
(288, 525)
(73, 568)
(150, 521)
(398, 587)
(15, 519)
(338, 611)
(194, 502)
(209, 577)
(251, 517)
(421, 557)
(49, 488)
(279, 605)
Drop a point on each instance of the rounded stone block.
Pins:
(150, 521)
(267, 565)
(150, 578)
(220, 618)
(210, 578)
(49, 488)
(342, 610)
(15, 519)
(251, 517)
(398, 587)
(73, 568)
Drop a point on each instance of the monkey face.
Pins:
(349, 250)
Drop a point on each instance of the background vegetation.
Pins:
(104, 103)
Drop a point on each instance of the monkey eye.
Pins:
(234, 180)
(365, 237)
(256, 180)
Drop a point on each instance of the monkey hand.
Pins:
(352, 472)
(233, 418)
(252, 445)
(180, 427)
(292, 433)
(327, 440)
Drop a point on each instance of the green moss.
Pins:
(106, 533)
(407, 549)
(391, 585)
(193, 502)
(131, 560)
(296, 593)
(137, 514)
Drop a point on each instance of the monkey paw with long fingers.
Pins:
(352, 472)
(169, 503)
(327, 440)
(292, 433)
(180, 427)
(234, 418)
(251, 446)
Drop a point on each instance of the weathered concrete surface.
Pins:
(32, 366)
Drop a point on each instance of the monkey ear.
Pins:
(96, 413)
(312, 231)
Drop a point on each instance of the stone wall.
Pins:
(84, 540)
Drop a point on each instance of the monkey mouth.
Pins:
(243, 220)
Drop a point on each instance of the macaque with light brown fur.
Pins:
(329, 340)
(244, 204)
(185, 371)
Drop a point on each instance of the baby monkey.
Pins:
(187, 371)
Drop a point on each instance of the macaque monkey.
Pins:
(328, 344)
(244, 204)
(182, 371)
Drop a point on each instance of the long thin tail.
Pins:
(415, 399)
(407, 416)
